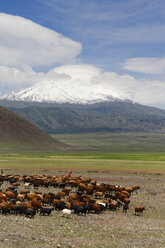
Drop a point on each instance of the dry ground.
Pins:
(109, 229)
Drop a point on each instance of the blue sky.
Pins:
(110, 31)
(117, 36)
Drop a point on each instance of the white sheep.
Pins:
(101, 203)
(27, 185)
(66, 212)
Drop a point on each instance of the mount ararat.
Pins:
(67, 106)
(75, 87)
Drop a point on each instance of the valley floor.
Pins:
(109, 229)
(118, 159)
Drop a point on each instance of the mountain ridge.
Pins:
(114, 116)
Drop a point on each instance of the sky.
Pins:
(120, 43)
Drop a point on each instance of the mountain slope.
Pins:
(18, 133)
(72, 118)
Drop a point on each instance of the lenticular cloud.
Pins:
(25, 42)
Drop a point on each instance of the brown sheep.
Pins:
(125, 208)
(78, 203)
(60, 195)
(90, 189)
(121, 196)
(82, 187)
(112, 206)
(85, 199)
(56, 203)
(3, 197)
(68, 205)
(27, 205)
(36, 204)
(126, 201)
(21, 197)
(128, 189)
(110, 187)
(73, 196)
(66, 191)
(73, 183)
(10, 194)
(21, 179)
(135, 188)
(15, 184)
(30, 196)
(98, 194)
(100, 188)
(97, 208)
(139, 210)
(126, 193)
(25, 192)
(4, 204)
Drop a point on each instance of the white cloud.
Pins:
(13, 78)
(25, 42)
(83, 72)
(143, 91)
(145, 65)
(120, 86)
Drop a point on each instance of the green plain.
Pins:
(138, 152)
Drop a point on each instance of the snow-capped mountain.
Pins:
(65, 91)
(79, 84)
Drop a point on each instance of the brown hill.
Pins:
(17, 133)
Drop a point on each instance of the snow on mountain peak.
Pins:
(66, 84)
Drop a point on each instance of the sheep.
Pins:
(126, 201)
(102, 204)
(80, 209)
(79, 202)
(139, 210)
(21, 197)
(98, 194)
(36, 204)
(82, 187)
(112, 206)
(60, 195)
(27, 185)
(5, 210)
(100, 188)
(66, 212)
(125, 208)
(136, 189)
(95, 207)
(66, 191)
(30, 212)
(45, 211)
(10, 194)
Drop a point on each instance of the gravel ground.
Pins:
(109, 229)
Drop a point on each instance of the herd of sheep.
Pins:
(22, 194)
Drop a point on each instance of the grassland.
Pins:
(143, 152)
(146, 163)
(126, 142)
